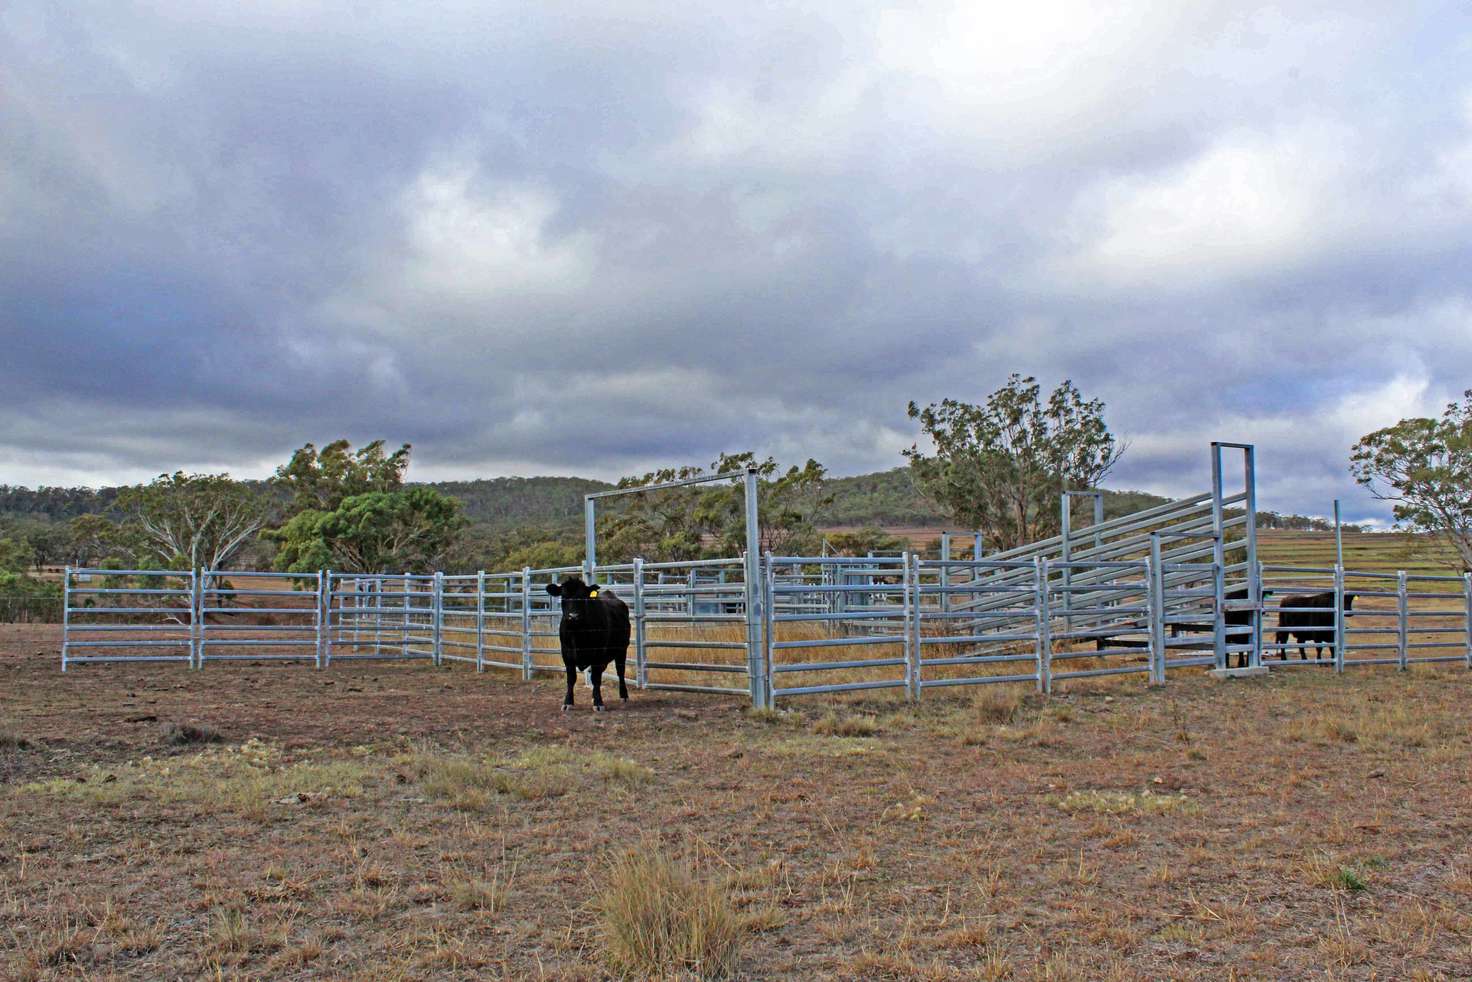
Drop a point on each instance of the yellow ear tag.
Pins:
(593, 594)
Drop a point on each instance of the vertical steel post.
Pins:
(480, 620)
(976, 547)
(1254, 581)
(1338, 613)
(1257, 618)
(754, 606)
(526, 623)
(1157, 613)
(1218, 621)
(1045, 626)
(590, 540)
(911, 605)
(1402, 607)
(327, 617)
(408, 601)
(1065, 513)
(641, 668)
(66, 617)
(317, 621)
(1218, 547)
(1098, 497)
(1467, 597)
(769, 630)
(945, 572)
(196, 631)
(438, 585)
(1338, 536)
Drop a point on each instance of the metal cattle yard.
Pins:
(1174, 587)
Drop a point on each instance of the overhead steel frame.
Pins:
(1220, 547)
(757, 675)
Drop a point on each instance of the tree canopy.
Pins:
(321, 479)
(1424, 466)
(193, 521)
(710, 520)
(1001, 466)
(380, 531)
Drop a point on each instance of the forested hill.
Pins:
(508, 502)
(889, 498)
(884, 499)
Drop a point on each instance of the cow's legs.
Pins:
(572, 678)
(1282, 638)
(596, 674)
(618, 662)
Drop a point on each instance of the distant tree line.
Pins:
(998, 466)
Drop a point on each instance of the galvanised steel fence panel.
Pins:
(1374, 625)
(1186, 595)
(505, 621)
(129, 615)
(250, 616)
(957, 647)
(692, 625)
(1307, 598)
(813, 651)
(1433, 618)
(381, 617)
(543, 647)
(461, 626)
(1103, 604)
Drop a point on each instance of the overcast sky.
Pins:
(594, 238)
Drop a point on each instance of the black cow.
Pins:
(1238, 618)
(594, 631)
(1309, 626)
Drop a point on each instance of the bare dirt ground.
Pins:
(379, 821)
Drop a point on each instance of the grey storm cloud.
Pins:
(571, 238)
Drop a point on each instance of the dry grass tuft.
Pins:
(10, 740)
(470, 783)
(1124, 802)
(999, 703)
(188, 734)
(485, 891)
(846, 725)
(660, 920)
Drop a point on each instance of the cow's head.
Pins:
(1349, 601)
(575, 595)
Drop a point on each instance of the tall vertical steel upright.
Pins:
(526, 622)
(590, 540)
(1218, 528)
(480, 620)
(438, 613)
(945, 572)
(196, 618)
(1045, 625)
(755, 649)
(641, 667)
(1467, 598)
(1338, 537)
(1338, 614)
(911, 625)
(1157, 613)
(66, 619)
(1402, 632)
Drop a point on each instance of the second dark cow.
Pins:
(1309, 619)
(594, 631)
